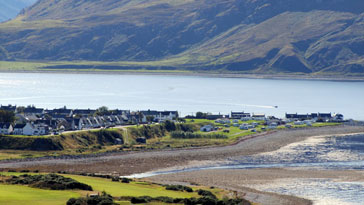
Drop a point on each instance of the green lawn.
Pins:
(234, 132)
(132, 189)
(17, 194)
(20, 194)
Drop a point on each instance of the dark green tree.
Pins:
(102, 111)
(170, 126)
(7, 116)
(201, 115)
(20, 109)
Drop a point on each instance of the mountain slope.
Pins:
(229, 35)
(10, 8)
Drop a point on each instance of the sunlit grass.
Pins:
(17, 194)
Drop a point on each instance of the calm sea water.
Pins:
(183, 93)
(321, 152)
(191, 94)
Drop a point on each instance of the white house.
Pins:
(41, 129)
(167, 115)
(6, 128)
(30, 129)
(158, 116)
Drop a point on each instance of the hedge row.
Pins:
(49, 181)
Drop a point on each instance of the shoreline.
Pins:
(130, 163)
(199, 74)
(250, 182)
(124, 164)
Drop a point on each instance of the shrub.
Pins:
(141, 199)
(126, 180)
(169, 126)
(49, 181)
(206, 193)
(115, 179)
(233, 202)
(179, 188)
(104, 199)
(207, 200)
(165, 199)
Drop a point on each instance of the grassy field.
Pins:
(17, 194)
(132, 189)
(20, 154)
(234, 134)
(138, 67)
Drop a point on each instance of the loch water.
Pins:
(187, 94)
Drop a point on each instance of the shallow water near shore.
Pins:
(318, 153)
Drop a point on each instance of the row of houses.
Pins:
(23, 129)
(315, 116)
(38, 121)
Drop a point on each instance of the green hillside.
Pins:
(240, 36)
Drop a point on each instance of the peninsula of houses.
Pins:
(33, 121)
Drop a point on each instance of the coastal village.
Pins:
(33, 121)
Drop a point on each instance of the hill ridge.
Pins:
(227, 35)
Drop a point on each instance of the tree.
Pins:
(140, 117)
(150, 118)
(20, 109)
(170, 126)
(7, 116)
(201, 115)
(102, 111)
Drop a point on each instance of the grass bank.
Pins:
(21, 194)
(157, 136)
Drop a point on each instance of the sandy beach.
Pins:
(244, 181)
